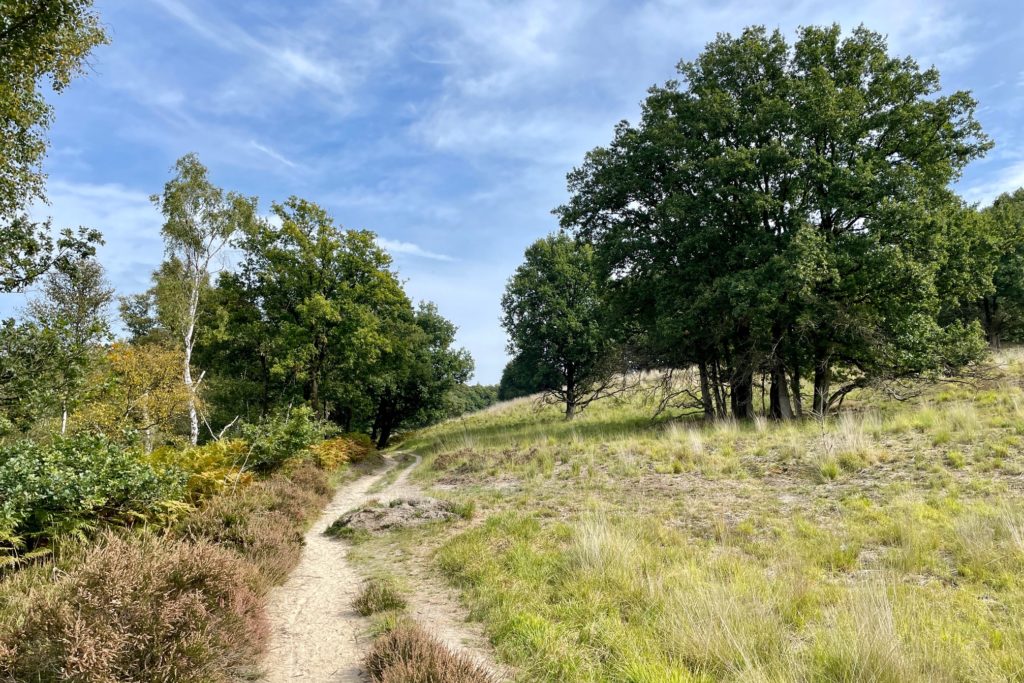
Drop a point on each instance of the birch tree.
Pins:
(200, 220)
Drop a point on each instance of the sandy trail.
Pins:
(316, 636)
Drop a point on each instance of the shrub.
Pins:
(280, 437)
(378, 595)
(69, 486)
(408, 654)
(333, 453)
(139, 608)
(210, 468)
(263, 522)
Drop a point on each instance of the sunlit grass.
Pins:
(885, 544)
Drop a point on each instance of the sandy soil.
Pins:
(316, 636)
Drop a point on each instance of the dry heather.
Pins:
(139, 608)
(408, 654)
(264, 522)
(186, 605)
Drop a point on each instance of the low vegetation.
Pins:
(884, 544)
(407, 653)
(165, 587)
(378, 595)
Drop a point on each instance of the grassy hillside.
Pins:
(884, 545)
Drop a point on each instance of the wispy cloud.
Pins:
(276, 156)
(410, 249)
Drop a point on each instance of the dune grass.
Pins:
(886, 544)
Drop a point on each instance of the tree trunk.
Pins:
(385, 436)
(718, 388)
(570, 396)
(190, 337)
(707, 401)
(193, 413)
(822, 385)
(780, 406)
(63, 417)
(743, 393)
(989, 310)
(795, 391)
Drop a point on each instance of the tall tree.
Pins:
(305, 316)
(74, 310)
(1002, 307)
(40, 41)
(199, 221)
(416, 373)
(784, 209)
(553, 316)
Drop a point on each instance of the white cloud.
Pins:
(1006, 179)
(410, 249)
(276, 156)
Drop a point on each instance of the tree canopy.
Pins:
(785, 210)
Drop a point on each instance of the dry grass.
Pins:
(408, 654)
(884, 544)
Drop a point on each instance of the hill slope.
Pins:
(885, 545)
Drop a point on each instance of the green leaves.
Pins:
(67, 487)
(553, 314)
(785, 207)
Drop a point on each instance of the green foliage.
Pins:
(210, 468)
(521, 377)
(1001, 309)
(279, 437)
(378, 595)
(784, 210)
(469, 398)
(42, 42)
(414, 376)
(68, 487)
(553, 316)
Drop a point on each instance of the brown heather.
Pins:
(139, 608)
(408, 654)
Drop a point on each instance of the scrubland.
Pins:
(883, 544)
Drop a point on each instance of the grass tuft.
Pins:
(378, 595)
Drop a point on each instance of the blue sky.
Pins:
(445, 127)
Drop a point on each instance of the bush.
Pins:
(263, 522)
(280, 437)
(68, 487)
(210, 468)
(408, 654)
(139, 608)
(333, 453)
(378, 595)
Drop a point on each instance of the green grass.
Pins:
(886, 544)
(378, 595)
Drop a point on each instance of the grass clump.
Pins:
(409, 654)
(378, 595)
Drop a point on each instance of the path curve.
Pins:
(316, 636)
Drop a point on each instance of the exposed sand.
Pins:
(316, 636)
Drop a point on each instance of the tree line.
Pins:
(309, 313)
(780, 217)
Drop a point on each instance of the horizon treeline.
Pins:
(781, 221)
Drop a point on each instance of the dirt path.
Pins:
(316, 636)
